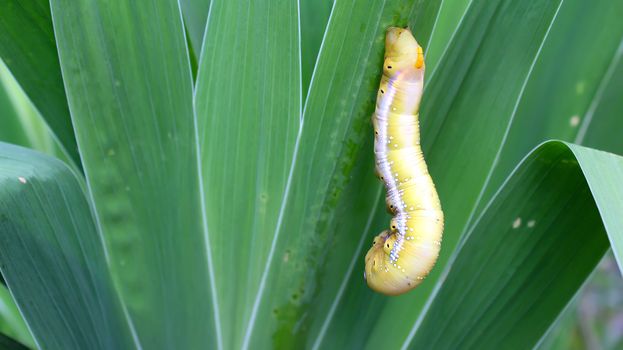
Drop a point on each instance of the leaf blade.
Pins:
(248, 127)
(129, 87)
(458, 164)
(28, 48)
(564, 87)
(52, 257)
(525, 259)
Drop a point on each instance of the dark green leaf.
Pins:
(52, 257)
(28, 48)
(7, 343)
(602, 124)
(195, 13)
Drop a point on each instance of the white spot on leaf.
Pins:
(574, 121)
(517, 223)
(22, 179)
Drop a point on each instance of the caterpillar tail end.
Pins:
(385, 277)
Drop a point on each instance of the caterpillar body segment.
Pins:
(402, 256)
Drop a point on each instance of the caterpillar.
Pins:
(402, 256)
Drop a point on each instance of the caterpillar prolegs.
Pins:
(402, 256)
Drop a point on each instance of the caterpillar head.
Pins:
(402, 53)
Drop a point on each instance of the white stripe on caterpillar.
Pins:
(401, 257)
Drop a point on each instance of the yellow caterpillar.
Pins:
(402, 256)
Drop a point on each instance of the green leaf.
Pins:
(586, 321)
(11, 322)
(447, 21)
(28, 48)
(534, 245)
(314, 15)
(567, 85)
(248, 101)
(192, 55)
(571, 95)
(11, 127)
(602, 122)
(195, 13)
(468, 104)
(603, 172)
(52, 258)
(21, 124)
(129, 87)
(299, 285)
(6, 343)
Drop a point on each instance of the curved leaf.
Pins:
(52, 257)
(534, 245)
(567, 85)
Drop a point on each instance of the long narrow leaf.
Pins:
(300, 284)
(314, 16)
(248, 103)
(28, 48)
(447, 22)
(21, 124)
(129, 85)
(11, 128)
(603, 122)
